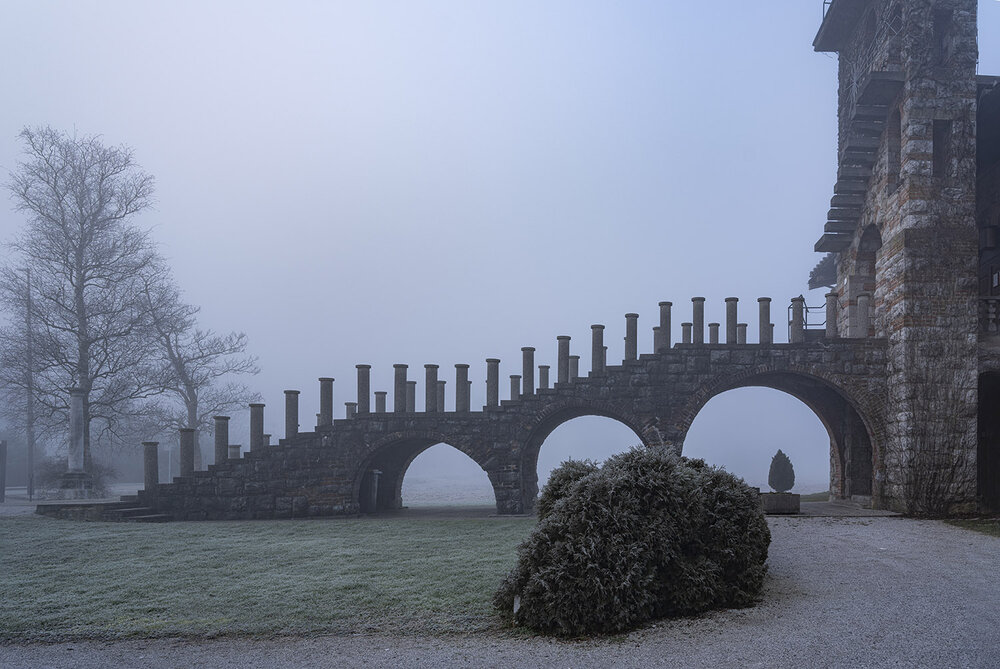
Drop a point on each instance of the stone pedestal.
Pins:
(528, 370)
(492, 382)
(631, 336)
(462, 400)
(399, 389)
(430, 388)
(364, 388)
(325, 403)
(597, 350)
(150, 466)
(732, 304)
(664, 340)
(698, 320)
(779, 502)
(291, 414)
(562, 361)
(257, 424)
(187, 451)
(221, 438)
(380, 401)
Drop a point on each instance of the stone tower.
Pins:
(910, 224)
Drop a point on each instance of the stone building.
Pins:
(913, 222)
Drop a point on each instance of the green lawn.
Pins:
(73, 580)
(990, 526)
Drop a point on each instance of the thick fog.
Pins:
(443, 182)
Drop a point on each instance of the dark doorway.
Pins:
(988, 455)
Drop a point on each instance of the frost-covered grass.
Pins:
(990, 526)
(73, 580)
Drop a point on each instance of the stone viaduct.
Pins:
(357, 464)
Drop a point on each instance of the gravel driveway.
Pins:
(841, 592)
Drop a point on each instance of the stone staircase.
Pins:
(126, 510)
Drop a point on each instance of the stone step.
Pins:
(149, 518)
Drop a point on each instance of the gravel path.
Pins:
(841, 592)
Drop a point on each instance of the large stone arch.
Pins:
(391, 456)
(558, 413)
(846, 414)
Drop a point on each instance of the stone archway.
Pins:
(552, 418)
(852, 456)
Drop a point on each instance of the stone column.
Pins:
(222, 436)
(257, 424)
(267, 439)
(291, 414)
(731, 317)
(440, 395)
(350, 409)
(831, 315)
(463, 401)
(234, 451)
(597, 350)
(864, 314)
(686, 333)
(765, 330)
(664, 326)
(76, 427)
(631, 336)
(187, 451)
(713, 333)
(364, 388)
(515, 386)
(380, 401)
(574, 367)
(797, 332)
(543, 376)
(325, 403)
(411, 396)
(399, 389)
(150, 466)
(492, 382)
(698, 320)
(527, 370)
(741, 333)
(562, 359)
(430, 388)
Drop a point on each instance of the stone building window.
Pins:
(942, 148)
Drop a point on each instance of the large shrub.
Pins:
(781, 475)
(647, 535)
(560, 479)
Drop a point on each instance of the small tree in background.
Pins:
(781, 477)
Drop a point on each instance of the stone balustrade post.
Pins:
(664, 341)
(597, 353)
(380, 401)
(430, 388)
(350, 409)
(543, 377)
(515, 386)
(766, 331)
(257, 423)
(732, 304)
(325, 403)
(574, 367)
(74, 460)
(440, 395)
(291, 414)
(562, 359)
(631, 336)
(864, 315)
(234, 451)
(364, 388)
(797, 327)
(492, 382)
(713, 333)
(150, 466)
(411, 396)
(741, 333)
(686, 332)
(399, 389)
(267, 439)
(463, 402)
(187, 451)
(222, 437)
(832, 305)
(698, 320)
(527, 371)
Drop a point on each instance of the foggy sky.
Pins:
(443, 182)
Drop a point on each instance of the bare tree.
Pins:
(199, 366)
(88, 267)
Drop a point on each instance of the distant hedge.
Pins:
(647, 535)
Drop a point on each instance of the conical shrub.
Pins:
(781, 476)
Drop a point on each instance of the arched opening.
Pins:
(988, 452)
(742, 429)
(380, 481)
(445, 476)
(578, 433)
(863, 281)
(850, 453)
